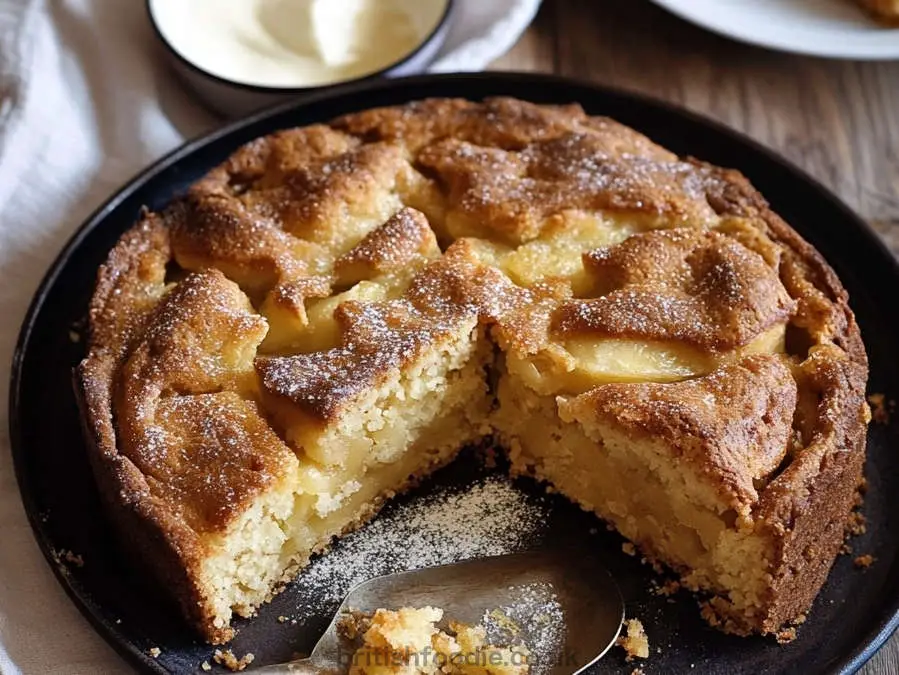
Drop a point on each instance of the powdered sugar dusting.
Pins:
(490, 518)
(535, 619)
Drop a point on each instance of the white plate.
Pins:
(830, 28)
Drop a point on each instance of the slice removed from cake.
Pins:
(641, 456)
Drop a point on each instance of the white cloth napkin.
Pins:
(85, 103)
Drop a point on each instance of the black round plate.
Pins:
(854, 614)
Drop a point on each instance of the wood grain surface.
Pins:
(839, 120)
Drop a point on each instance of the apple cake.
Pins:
(336, 310)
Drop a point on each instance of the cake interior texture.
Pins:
(337, 310)
(408, 641)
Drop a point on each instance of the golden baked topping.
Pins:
(393, 248)
(697, 288)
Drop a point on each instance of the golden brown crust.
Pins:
(700, 288)
(405, 236)
(157, 540)
(176, 386)
(181, 417)
(704, 421)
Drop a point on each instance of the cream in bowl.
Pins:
(241, 54)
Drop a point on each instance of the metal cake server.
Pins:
(564, 606)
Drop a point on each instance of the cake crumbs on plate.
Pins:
(845, 548)
(205, 666)
(856, 525)
(881, 409)
(714, 613)
(629, 548)
(282, 619)
(655, 564)
(226, 658)
(668, 588)
(154, 652)
(786, 635)
(864, 561)
(75, 559)
(637, 671)
(64, 555)
(635, 642)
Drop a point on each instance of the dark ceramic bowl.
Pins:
(235, 99)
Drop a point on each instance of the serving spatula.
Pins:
(569, 596)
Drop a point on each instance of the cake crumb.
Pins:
(655, 564)
(881, 409)
(408, 635)
(74, 337)
(845, 548)
(856, 524)
(786, 636)
(864, 561)
(799, 620)
(637, 671)
(635, 642)
(669, 588)
(629, 548)
(66, 556)
(154, 652)
(226, 658)
(282, 619)
(205, 666)
(71, 557)
(352, 623)
(714, 611)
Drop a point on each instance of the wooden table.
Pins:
(837, 120)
